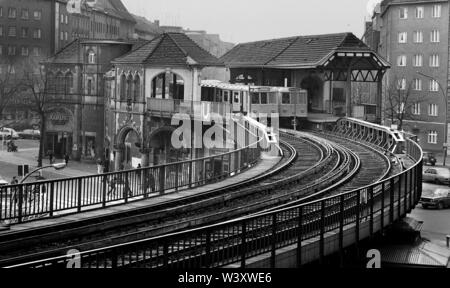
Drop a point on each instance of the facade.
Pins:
(75, 123)
(413, 36)
(326, 66)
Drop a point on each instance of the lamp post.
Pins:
(57, 166)
(446, 113)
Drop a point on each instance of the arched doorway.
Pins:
(314, 85)
(128, 155)
(168, 86)
(161, 148)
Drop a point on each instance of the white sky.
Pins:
(249, 20)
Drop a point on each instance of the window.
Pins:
(403, 13)
(264, 98)
(11, 50)
(12, 13)
(416, 109)
(434, 86)
(402, 37)
(25, 15)
(401, 84)
(432, 110)
(62, 35)
(24, 32)
(60, 83)
(418, 37)
(436, 12)
(91, 58)
(12, 31)
(286, 98)
(37, 15)
(434, 36)
(66, 19)
(401, 108)
(1, 11)
(89, 87)
(1, 31)
(419, 12)
(417, 84)
(69, 82)
(401, 60)
(66, 36)
(137, 89)
(1, 50)
(434, 60)
(36, 51)
(418, 60)
(37, 33)
(255, 98)
(24, 51)
(432, 137)
(62, 18)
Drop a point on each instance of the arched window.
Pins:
(91, 57)
(69, 82)
(123, 88)
(137, 88)
(50, 82)
(130, 87)
(60, 83)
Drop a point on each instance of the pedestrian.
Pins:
(99, 166)
(50, 156)
(112, 185)
(66, 158)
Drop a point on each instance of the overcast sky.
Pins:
(249, 20)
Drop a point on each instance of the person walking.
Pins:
(50, 156)
(66, 159)
(112, 185)
(99, 166)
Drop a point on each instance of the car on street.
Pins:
(436, 175)
(429, 158)
(437, 198)
(8, 133)
(29, 134)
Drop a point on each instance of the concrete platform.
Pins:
(261, 167)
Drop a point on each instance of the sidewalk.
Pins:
(28, 156)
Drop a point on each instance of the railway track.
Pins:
(320, 160)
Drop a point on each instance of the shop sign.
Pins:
(59, 117)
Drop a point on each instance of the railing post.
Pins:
(104, 191)
(243, 243)
(405, 201)
(229, 163)
(19, 212)
(382, 205)
(341, 229)
(208, 249)
(162, 179)
(177, 166)
(125, 190)
(52, 195)
(371, 210)
(391, 204)
(299, 236)
(399, 210)
(191, 167)
(322, 230)
(80, 182)
(274, 241)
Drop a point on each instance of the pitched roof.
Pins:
(299, 51)
(114, 8)
(170, 49)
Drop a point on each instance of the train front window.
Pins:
(286, 98)
(236, 97)
(255, 98)
(273, 98)
(264, 98)
(225, 96)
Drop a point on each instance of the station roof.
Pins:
(170, 49)
(300, 52)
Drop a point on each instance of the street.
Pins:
(436, 222)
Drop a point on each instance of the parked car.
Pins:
(436, 175)
(3, 182)
(8, 133)
(429, 158)
(438, 198)
(30, 134)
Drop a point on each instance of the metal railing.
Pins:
(236, 241)
(43, 199)
(195, 108)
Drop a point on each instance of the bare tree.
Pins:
(400, 102)
(9, 84)
(40, 87)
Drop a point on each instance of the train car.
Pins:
(234, 95)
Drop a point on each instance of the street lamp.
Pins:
(56, 166)
(446, 113)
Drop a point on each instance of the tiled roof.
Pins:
(294, 51)
(170, 49)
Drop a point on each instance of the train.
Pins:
(290, 103)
